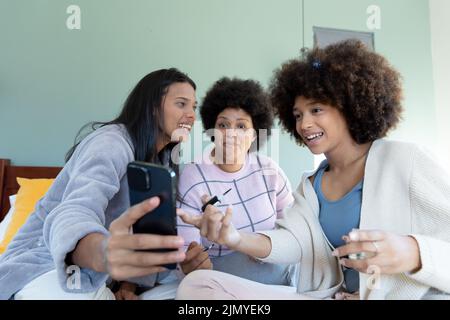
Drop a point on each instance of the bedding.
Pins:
(30, 191)
(6, 221)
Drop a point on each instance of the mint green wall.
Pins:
(404, 38)
(54, 80)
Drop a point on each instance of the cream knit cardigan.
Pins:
(406, 192)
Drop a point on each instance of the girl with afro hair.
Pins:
(237, 114)
(373, 221)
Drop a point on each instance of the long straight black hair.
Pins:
(142, 113)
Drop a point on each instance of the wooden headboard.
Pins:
(8, 182)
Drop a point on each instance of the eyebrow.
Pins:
(313, 102)
(186, 99)
(239, 119)
(309, 104)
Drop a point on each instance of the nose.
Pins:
(231, 132)
(191, 113)
(305, 123)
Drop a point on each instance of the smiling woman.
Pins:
(84, 219)
(373, 220)
(234, 112)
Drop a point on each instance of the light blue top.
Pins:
(338, 218)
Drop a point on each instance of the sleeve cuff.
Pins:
(427, 266)
(72, 278)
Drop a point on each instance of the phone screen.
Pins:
(146, 180)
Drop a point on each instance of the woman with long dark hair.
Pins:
(78, 237)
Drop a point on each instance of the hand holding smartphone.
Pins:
(147, 180)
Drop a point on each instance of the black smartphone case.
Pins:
(147, 180)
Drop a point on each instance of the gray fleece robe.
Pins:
(89, 193)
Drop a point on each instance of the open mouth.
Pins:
(185, 126)
(314, 137)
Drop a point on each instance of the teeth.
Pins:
(314, 136)
(185, 126)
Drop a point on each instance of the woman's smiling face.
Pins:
(322, 127)
(179, 106)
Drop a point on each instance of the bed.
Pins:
(8, 183)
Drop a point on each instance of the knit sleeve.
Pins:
(430, 194)
(286, 237)
(190, 202)
(95, 171)
(285, 247)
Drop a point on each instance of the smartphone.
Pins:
(147, 180)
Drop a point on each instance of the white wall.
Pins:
(440, 45)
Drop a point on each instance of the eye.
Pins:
(181, 104)
(316, 110)
(297, 116)
(221, 125)
(241, 126)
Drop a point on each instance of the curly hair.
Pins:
(247, 95)
(361, 84)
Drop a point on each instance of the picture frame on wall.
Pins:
(326, 36)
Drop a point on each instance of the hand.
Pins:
(347, 296)
(392, 253)
(126, 291)
(121, 259)
(196, 259)
(214, 225)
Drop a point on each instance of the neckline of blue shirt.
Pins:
(318, 186)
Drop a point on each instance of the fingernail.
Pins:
(178, 241)
(179, 256)
(353, 236)
(335, 253)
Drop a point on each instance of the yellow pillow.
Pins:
(30, 191)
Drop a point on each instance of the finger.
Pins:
(204, 227)
(354, 247)
(339, 296)
(201, 263)
(194, 220)
(118, 295)
(363, 266)
(214, 226)
(228, 216)
(205, 198)
(127, 272)
(130, 296)
(192, 245)
(197, 260)
(366, 235)
(144, 259)
(133, 214)
(144, 242)
(193, 253)
(205, 265)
